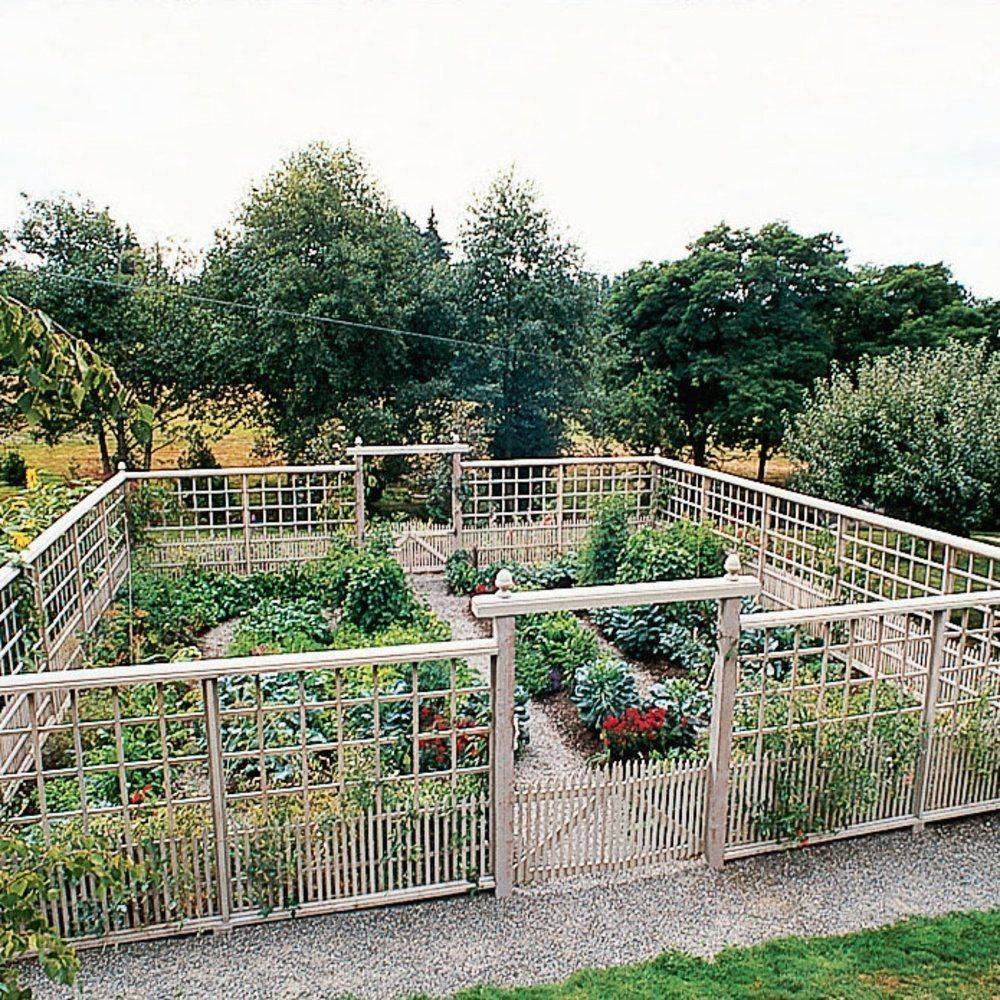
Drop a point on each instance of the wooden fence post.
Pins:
(245, 508)
(560, 493)
(932, 687)
(721, 731)
(502, 683)
(217, 795)
(765, 524)
(359, 492)
(456, 494)
(654, 487)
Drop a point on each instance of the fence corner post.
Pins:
(456, 493)
(502, 683)
(359, 491)
(721, 729)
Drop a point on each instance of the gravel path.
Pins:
(215, 642)
(547, 752)
(545, 933)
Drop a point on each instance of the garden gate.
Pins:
(421, 546)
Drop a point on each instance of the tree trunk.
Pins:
(120, 441)
(699, 449)
(762, 456)
(102, 444)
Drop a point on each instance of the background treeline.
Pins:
(323, 311)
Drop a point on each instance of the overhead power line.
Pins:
(134, 287)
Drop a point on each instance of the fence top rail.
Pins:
(510, 463)
(58, 527)
(199, 670)
(370, 450)
(852, 513)
(842, 612)
(9, 572)
(239, 470)
(504, 604)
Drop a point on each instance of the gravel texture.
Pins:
(547, 753)
(545, 933)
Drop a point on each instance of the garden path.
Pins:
(545, 933)
(549, 751)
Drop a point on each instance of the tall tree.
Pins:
(92, 275)
(528, 309)
(714, 348)
(907, 305)
(320, 238)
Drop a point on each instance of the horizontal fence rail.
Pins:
(261, 786)
(866, 697)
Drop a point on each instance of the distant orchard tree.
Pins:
(907, 305)
(715, 348)
(912, 433)
(91, 274)
(528, 311)
(319, 237)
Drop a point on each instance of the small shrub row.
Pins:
(549, 650)
(464, 577)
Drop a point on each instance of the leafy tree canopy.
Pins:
(530, 307)
(713, 348)
(910, 433)
(319, 237)
(908, 305)
(125, 308)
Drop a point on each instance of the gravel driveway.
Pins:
(547, 932)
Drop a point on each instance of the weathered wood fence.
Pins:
(867, 699)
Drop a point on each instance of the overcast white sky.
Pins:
(642, 124)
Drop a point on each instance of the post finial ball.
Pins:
(122, 466)
(454, 437)
(357, 441)
(504, 583)
(656, 451)
(733, 566)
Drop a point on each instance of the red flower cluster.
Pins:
(634, 732)
(483, 588)
(434, 750)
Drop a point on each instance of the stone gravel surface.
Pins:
(545, 933)
(547, 752)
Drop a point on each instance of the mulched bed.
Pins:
(574, 734)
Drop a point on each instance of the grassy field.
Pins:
(953, 956)
(78, 456)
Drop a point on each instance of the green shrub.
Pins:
(14, 469)
(378, 594)
(276, 626)
(682, 550)
(602, 688)
(460, 574)
(606, 540)
(550, 648)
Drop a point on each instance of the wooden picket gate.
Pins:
(613, 818)
(422, 546)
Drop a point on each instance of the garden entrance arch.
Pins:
(422, 546)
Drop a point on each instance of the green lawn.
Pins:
(953, 956)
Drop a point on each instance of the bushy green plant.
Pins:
(606, 540)
(602, 688)
(682, 550)
(905, 434)
(13, 469)
(688, 705)
(378, 594)
(29, 512)
(27, 876)
(549, 650)
(276, 626)
(460, 573)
